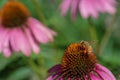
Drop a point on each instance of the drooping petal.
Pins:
(97, 5)
(83, 9)
(6, 46)
(13, 40)
(90, 8)
(107, 6)
(74, 8)
(43, 27)
(112, 2)
(7, 52)
(64, 7)
(55, 68)
(41, 33)
(33, 44)
(23, 42)
(94, 77)
(55, 71)
(53, 78)
(85, 78)
(104, 72)
(3, 34)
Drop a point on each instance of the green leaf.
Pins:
(5, 61)
(20, 74)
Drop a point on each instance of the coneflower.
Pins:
(88, 8)
(79, 63)
(20, 32)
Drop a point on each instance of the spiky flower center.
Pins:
(78, 60)
(14, 14)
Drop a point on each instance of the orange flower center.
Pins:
(78, 60)
(14, 14)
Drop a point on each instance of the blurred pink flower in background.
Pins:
(88, 8)
(79, 63)
(20, 32)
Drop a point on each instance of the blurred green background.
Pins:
(106, 45)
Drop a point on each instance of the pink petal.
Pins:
(34, 45)
(41, 33)
(3, 33)
(22, 42)
(83, 9)
(51, 78)
(55, 68)
(64, 6)
(104, 72)
(94, 77)
(6, 46)
(13, 40)
(91, 8)
(111, 2)
(43, 27)
(85, 78)
(107, 7)
(97, 5)
(74, 8)
(7, 52)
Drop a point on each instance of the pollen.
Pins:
(78, 60)
(14, 14)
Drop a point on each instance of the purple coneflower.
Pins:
(88, 7)
(20, 32)
(79, 63)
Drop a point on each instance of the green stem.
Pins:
(107, 35)
(105, 40)
(39, 11)
(41, 62)
(93, 34)
(34, 67)
(54, 46)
